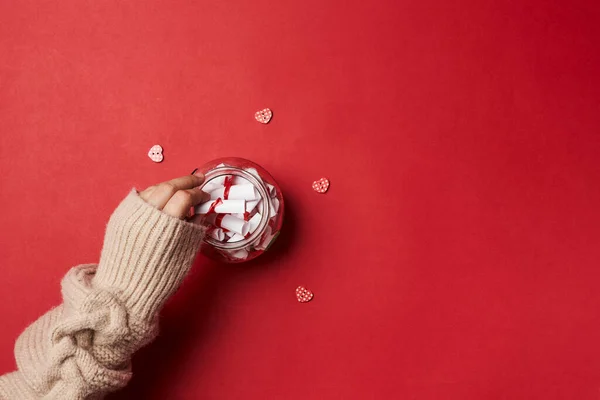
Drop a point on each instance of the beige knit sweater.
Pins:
(82, 349)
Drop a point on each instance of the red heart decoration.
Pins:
(303, 294)
(263, 116)
(321, 186)
(155, 153)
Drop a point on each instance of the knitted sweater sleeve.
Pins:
(82, 348)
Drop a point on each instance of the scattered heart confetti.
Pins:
(155, 153)
(321, 186)
(264, 116)
(303, 294)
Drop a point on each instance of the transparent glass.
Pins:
(270, 207)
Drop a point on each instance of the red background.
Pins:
(456, 253)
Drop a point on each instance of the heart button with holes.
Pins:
(155, 153)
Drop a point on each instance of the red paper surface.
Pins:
(456, 254)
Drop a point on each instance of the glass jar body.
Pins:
(227, 179)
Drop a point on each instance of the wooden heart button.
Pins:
(264, 116)
(155, 153)
(321, 186)
(303, 294)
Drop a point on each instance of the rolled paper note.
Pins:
(265, 240)
(254, 222)
(218, 234)
(229, 234)
(254, 172)
(272, 190)
(240, 216)
(251, 205)
(211, 187)
(238, 180)
(226, 207)
(274, 207)
(240, 254)
(236, 238)
(215, 183)
(236, 192)
(219, 180)
(230, 223)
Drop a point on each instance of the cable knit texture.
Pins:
(82, 348)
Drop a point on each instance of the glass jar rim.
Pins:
(264, 195)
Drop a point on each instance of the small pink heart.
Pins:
(303, 294)
(263, 116)
(155, 153)
(321, 186)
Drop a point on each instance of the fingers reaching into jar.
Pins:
(177, 196)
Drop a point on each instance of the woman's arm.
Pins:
(82, 348)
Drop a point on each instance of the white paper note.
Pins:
(274, 207)
(230, 223)
(226, 207)
(254, 222)
(236, 192)
(240, 254)
(230, 234)
(236, 238)
(251, 205)
(218, 234)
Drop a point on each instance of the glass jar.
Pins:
(260, 223)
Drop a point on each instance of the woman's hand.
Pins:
(178, 196)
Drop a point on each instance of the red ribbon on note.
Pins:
(214, 205)
(219, 220)
(227, 185)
